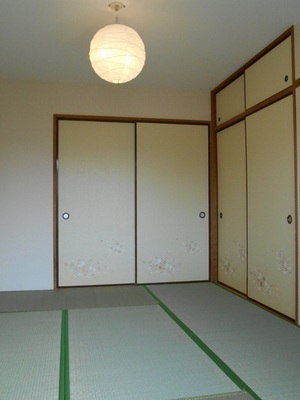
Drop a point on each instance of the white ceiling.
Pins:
(190, 44)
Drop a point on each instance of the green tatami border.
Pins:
(64, 376)
(210, 353)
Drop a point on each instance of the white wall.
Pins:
(26, 154)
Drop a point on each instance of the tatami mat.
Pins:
(79, 297)
(30, 355)
(260, 347)
(241, 395)
(137, 353)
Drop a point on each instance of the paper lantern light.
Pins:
(117, 53)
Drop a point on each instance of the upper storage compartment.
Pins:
(230, 101)
(270, 74)
(297, 49)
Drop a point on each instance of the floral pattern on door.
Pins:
(89, 267)
(284, 263)
(81, 267)
(161, 265)
(228, 265)
(191, 246)
(262, 283)
(262, 277)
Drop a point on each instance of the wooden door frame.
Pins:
(70, 117)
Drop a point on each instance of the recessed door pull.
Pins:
(289, 219)
(66, 215)
(221, 215)
(202, 214)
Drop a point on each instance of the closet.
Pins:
(269, 74)
(172, 203)
(232, 207)
(96, 231)
(296, 29)
(271, 207)
(254, 127)
(230, 101)
(131, 201)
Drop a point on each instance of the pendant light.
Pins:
(117, 53)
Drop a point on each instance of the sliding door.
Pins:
(172, 202)
(271, 207)
(232, 201)
(96, 216)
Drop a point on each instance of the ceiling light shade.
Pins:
(117, 53)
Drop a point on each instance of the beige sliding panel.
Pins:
(297, 49)
(271, 207)
(298, 187)
(232, 231)
(96, 181)
(230, 101)
(172, 203)
(269, 74)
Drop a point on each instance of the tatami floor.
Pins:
(162, 342)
